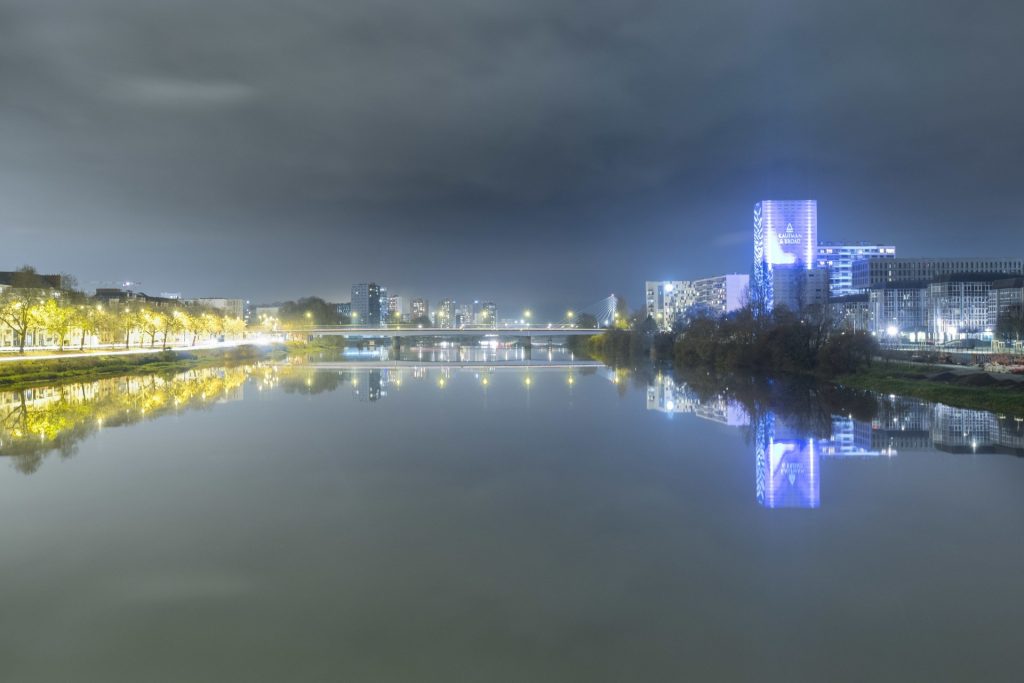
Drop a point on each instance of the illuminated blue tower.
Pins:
(785, 239)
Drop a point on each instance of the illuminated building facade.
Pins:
(899, 311)
(838, 259)
(870, 272)
(958, 307)
(785, 238)
(666, 300)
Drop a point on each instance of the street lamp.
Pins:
(526, 315)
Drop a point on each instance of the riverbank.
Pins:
(972, 390)
(29, 372)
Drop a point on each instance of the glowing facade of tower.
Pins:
(785, 237)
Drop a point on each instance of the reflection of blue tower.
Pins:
(788, 469)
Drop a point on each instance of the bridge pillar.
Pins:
(396, 344)
(528, 349)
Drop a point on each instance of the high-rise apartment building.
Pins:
(666, 300)
(721, 294)
(445, 314)
(419, 308)
(367, 305)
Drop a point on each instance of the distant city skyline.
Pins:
(232, 150)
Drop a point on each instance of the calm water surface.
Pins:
(394, 522)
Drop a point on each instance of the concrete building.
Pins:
(838, 258)
(899, 311)
(367, 304)
(870, 272)
(17, 279)
(464, 315)
(397, 308)
(667, 300)
(486, 313)
(233, 308)
(419, 308)
(798, 288)
(958, 307)
(444, 316)
(851, 312)
(721, 294)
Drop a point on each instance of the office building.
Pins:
(851, 312)
(870, 272)
(799, 288)
(958, 307)
(899, 311)
(838, 258)
(785, 238)
(367, 304)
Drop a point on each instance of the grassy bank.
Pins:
(976, 391)
(29, 372)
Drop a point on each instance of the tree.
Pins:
(18, 303)
(311, 310)
(1010, 324)
(126, 320)
(56, 317)
(88, 319)
(174, 323)
(151, 322)
(234, 327)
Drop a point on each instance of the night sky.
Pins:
(533, 152)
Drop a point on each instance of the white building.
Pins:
(723, 293)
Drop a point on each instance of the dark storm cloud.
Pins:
(530, 150)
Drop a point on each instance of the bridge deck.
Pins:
(349, 331)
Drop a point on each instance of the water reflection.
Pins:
(791, 428)
(37, 421)
(790, 442)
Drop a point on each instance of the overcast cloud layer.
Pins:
(529, 151)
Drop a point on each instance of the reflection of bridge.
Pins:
(447, 365)
(529, 332)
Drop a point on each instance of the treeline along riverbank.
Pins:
(782, 344)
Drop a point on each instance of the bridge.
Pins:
(400, 331)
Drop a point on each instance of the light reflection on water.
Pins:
(547, 520)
